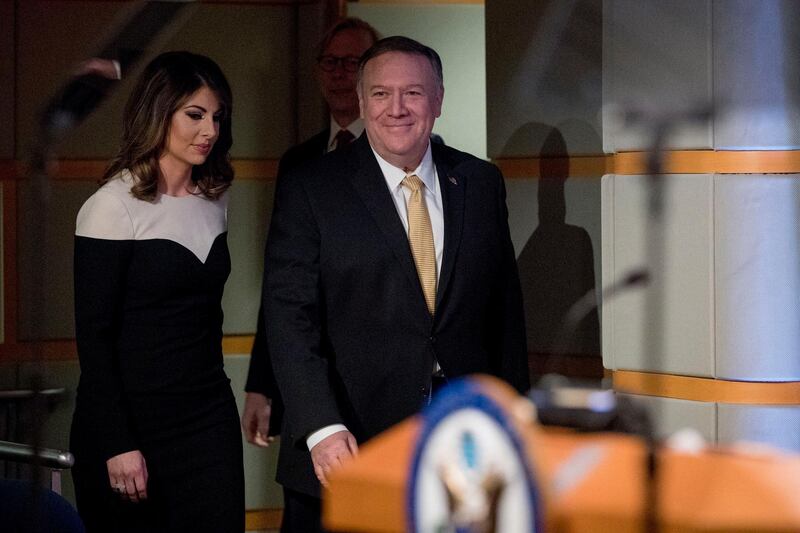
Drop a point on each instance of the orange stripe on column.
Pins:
(707, 389)
(712, 162)
(674, 162)
(764, 162)
(594, 165)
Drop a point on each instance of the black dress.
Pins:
(149, 278)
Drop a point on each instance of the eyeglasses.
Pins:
(329, 63)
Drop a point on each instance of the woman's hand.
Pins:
(127, 474)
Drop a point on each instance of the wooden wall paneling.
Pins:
(7, 77)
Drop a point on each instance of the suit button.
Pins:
(432, 339)
(423, 391)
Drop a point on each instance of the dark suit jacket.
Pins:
(349, 333)
(260, 377)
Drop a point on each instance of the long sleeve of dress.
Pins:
(103, 247)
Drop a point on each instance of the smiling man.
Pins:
(389, 269)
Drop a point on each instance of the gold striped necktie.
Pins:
(420, 236)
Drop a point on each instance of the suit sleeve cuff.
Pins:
(323, 433)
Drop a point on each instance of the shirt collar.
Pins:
(426, 171)
(356, 128)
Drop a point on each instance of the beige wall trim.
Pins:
(92, 169)
(674, 162)
(237, 344)
(51, 350)
(65, 349)
(250, 169)
(259, 519)
(707, 389)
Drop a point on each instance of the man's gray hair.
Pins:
(406, 45)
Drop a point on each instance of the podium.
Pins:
(591, 482)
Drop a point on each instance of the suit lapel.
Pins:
(368, 181)
(452, 188)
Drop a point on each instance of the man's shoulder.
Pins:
(462, 162)
(299, 154)
(315, 144)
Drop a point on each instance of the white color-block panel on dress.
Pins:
(775, 425)
(666, 326)
(757, 255)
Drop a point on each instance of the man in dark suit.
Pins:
(337, 63)
(389, 268)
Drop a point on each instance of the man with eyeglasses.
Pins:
(337, 66)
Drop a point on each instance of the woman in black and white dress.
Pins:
(155, 431)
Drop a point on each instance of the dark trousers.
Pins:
(301, 513)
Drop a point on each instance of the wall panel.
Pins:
(250, 44)
(757, 258)
(671, 415)
(44, 261)
(7, 85)
(668, 325)
(756, 74)
(658, 61)
(52, 38)
(543, 77)
(248, 41)
(248, 217)
(773, 425)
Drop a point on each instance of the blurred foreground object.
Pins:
(591, 482)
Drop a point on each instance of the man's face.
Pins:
(339, 85)
(400, 99)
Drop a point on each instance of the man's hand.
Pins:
(331, 452)
(255, 419)
(127, 474)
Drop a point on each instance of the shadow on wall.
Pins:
(556, 269)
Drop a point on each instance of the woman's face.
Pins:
(193, 130)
